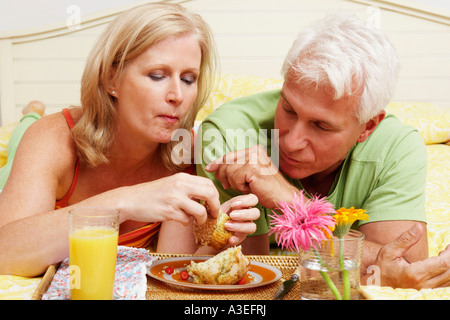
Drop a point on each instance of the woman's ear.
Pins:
(113, 93)
(370, 126)
(112, 89)
(111, 85)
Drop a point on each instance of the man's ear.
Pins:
(370, 126)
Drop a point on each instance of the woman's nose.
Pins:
(175, 93)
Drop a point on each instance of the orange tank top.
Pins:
(139, 238)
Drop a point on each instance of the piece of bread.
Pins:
(227, 267)
(213, 233)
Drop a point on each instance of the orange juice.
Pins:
(93, 255)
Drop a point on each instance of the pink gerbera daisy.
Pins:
(304, 223)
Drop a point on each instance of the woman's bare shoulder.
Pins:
(56, 122)
(52, 129)
(49, 139)
(42, 169)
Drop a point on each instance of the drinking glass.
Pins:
(93, 238)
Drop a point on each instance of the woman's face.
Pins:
(157, 90)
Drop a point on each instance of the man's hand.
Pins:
(252, 171)
(396, 272)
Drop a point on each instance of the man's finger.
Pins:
(401, 245)
(229, 158)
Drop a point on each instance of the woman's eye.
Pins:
(189, 79)
(156, 76)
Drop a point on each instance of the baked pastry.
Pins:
(213, 233)
(227, 267)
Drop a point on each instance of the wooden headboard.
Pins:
(252, 36)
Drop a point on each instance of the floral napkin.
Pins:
(130, 282)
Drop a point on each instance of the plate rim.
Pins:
(278, 275)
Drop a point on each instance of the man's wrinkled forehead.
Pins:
(305, 82)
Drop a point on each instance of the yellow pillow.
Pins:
(388, 293)
(433, 122)
(17, 288)
(438, 198)
(5, 134)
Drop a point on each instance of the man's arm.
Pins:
(252, 171)
(256, 245)
(391, 269)
(378, 234)
(263, 179)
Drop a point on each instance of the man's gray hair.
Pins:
(348, 57)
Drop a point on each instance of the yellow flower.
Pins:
(345, 218)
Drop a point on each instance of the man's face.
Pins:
(315, 131)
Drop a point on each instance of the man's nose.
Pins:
(296, 139)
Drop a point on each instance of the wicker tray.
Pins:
(45, 282)
(158, 290)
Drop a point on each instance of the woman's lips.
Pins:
(169, 118)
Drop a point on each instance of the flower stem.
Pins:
(331, 285)
(345, 275)
(346, 280)
(327, 278)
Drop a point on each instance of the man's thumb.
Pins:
(406, 240)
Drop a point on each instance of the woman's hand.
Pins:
(242, 214)
(174, 198)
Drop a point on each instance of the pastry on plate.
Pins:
(227, 267)
(213, 233)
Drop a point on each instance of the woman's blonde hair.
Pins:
(126, 37)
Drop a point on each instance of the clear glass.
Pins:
(93, 238)
(332, 272)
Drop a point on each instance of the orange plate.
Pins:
(259, 274)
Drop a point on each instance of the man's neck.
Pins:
(319, 184)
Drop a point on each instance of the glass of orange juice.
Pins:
(93, 237)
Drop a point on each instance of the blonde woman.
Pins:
(147, 76)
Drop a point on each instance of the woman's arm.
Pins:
(34, 235)
(30, 230)
(178, 238)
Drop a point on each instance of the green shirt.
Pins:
(385, 175)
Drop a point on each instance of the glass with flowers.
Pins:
(329, 252)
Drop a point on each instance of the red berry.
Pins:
(184, 275)
(169, 270)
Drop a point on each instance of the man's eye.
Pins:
(288, 110)
(320, 126)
